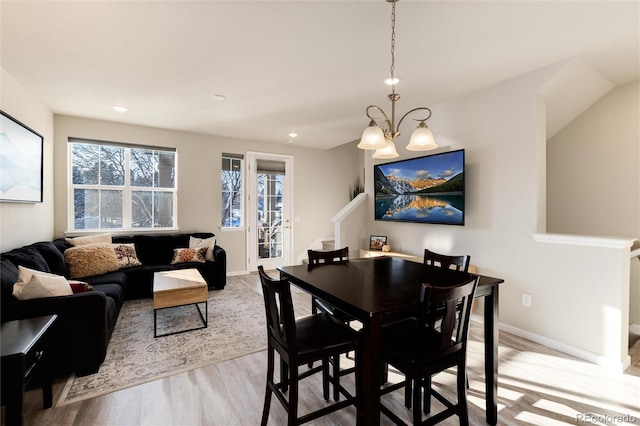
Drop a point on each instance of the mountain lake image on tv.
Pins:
(427, 189)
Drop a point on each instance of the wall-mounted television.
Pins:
(427, 189)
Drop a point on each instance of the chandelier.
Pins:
(381, 137)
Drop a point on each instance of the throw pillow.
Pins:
(80, 286)
(34, 284)
(90, 259)
(209, 243)
(183, 255)
(126, 254)
(90, 239)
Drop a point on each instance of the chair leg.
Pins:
(336, 377)
(293, 397)
(417, 396)
(268, 392)
(426, 400)
(284, 375)
(463, 411)
(407, 391)
(325, 378)
(384, 372)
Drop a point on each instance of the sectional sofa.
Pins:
(88, 309)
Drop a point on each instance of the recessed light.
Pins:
(389, 81)
(293, 134)
(120, 108)
(219, 97)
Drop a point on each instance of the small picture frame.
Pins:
(377, 241)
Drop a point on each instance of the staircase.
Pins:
(349, 230)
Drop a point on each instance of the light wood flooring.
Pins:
(537, 386)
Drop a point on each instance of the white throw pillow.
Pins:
(204, 242)
(34, 284)
(89, 239)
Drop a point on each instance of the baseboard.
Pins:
(634, 328)
(611, 364)
(236, 273)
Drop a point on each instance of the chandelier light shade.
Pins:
(382, 132)
(421, 139)
(372, 137)
(388, 151)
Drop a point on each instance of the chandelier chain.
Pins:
(382, 131)
(393, 42)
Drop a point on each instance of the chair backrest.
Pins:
(317, 257)
(281, 322)
(445, 313)
(459, 263)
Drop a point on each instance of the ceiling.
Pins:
(309, 67)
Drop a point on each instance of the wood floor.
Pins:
(537, 386)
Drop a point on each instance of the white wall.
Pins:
(593, 176)
(503, 131)
(26, 223)
(321, 179)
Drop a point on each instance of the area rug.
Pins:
(236, 327)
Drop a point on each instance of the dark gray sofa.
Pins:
(86, 320)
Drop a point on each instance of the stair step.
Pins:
(329, 245)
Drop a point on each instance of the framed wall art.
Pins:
(21, 162)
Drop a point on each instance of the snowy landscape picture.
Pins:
(20, 162)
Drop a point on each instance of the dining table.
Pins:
(381, 290)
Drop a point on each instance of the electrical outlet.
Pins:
(526, 300)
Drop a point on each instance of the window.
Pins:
(231, 178)
(119, 186)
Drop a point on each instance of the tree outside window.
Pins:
(231, 180)
(122, 187)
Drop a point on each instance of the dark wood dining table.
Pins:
(380, 290)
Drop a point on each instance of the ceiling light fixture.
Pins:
(120, 108)
(382, 137)
(219, 97)
(293, 134)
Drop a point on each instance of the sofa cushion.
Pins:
(28, 257)
(126, 254)
(114, 291)
(115, 277)
(61, 244)
(209, 243)
(8, 277)
(187, 255)
(90, 239)
(158, 249)
(90, 259)
(34, 284)
(53, 256)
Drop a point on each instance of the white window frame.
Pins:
(241, 191)
(127, 190)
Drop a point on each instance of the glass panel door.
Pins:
(269, 232)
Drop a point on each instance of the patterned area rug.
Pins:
(236, 328)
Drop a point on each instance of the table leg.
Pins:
(46, 374)
(14, 376)
(491, 354)
(369, 367)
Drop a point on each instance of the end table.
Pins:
(25, 356)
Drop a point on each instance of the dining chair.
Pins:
(433, 342)
(459, 263)
(298, 342)
(328, 257)
(456, 262)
